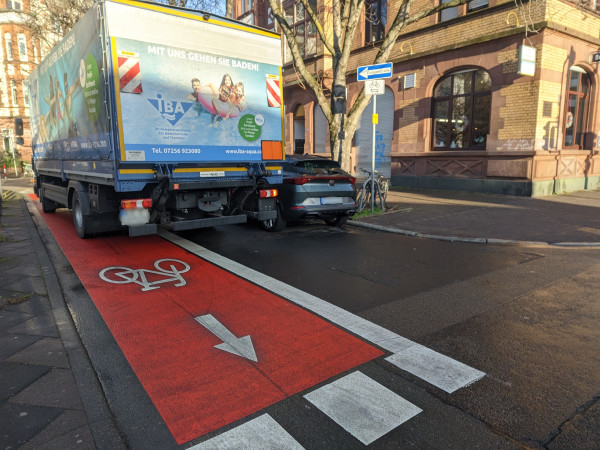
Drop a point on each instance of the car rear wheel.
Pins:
(336, 221)
(274, 225)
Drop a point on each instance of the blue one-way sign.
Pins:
(374, 72)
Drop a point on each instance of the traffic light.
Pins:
(18, 126)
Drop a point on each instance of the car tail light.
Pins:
(268, 193)
(298, 180)
(305, 179)
(136, 203)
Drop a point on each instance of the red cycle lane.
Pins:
(151, 311)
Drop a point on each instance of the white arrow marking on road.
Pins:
(238, 346)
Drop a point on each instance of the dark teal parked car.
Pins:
(313, 188)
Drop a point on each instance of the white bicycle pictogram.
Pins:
(124, 275)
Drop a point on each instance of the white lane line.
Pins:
(369, 331)
(263, 432)
(363, 407)
(435, 368)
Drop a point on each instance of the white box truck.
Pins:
(147, 115)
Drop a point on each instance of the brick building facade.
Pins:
(19, 54)
(487, 96)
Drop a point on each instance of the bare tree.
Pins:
(50, 20)
(337, 32)
(215, 6)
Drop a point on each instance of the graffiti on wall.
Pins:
(379, 150)
(515, 145)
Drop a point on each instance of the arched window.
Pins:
(461, 110)
(576, 107)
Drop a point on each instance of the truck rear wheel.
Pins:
(80, 221)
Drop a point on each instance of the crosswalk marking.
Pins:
(263, 432)
(437, 369)
(448, 374)
(363, 407)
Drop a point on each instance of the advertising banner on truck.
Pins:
(183, 104)
(189, 88)
(68, 111)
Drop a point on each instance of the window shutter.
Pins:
(410, 80)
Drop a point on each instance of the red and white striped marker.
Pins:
(130, 76)
(273, 91)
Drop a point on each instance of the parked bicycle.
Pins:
(381, 187)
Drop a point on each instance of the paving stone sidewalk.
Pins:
(571, 219)
(50, 397)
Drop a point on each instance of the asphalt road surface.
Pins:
(357, 338)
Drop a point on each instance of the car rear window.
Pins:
(324, 167)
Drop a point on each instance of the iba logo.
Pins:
(170, 110)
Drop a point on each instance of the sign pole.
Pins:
(375, 86)
(373, 156)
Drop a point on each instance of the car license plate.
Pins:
(331, 200)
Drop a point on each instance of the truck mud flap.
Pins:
(267, 215)
(205, 223)
(143, 230)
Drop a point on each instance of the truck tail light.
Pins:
(136, 203)
(268, 193)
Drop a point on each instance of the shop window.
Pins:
(8, 42)
(304, 28)
(576, 106)
(448, 13)
(22, 46)
(461, 111)
(375, 20)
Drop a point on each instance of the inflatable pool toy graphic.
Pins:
(205, 97)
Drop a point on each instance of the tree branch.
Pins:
(309, 78)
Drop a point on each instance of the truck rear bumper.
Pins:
(205, 222)
(143, 230)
